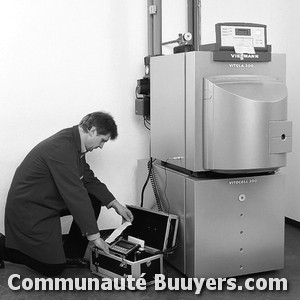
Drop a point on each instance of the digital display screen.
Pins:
(243, 31)
(125, 245)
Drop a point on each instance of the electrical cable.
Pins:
(153, 180)
(152, 176)
(155, 189)
(146, 123)
(146, 182)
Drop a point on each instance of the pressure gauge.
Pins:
(187, 36)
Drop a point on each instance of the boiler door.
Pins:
(245, 124)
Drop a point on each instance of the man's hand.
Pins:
(123, 211)
(101, 244)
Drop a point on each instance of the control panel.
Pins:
(123, 247)
(232, 35)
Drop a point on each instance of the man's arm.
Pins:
(63, 165)
(95, 187)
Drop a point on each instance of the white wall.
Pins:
(61, 59)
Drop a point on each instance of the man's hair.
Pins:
(103, 122)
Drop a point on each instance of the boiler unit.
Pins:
(209, 115)
(219, 135)
(228, 226)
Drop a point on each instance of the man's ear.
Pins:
(92, 131)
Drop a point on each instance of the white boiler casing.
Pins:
(227, 226)
(219, 116)
(219, 134)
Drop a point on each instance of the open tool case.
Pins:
(157, 230)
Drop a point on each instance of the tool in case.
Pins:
(139, 250)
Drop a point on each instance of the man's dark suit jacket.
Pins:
(52, 177)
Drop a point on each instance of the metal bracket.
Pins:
(152, 9)
(148, 264)
(182, 39)
(123, 264)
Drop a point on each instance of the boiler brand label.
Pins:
(242, 56)
(243, 181)
(239, 65)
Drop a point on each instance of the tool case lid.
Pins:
(151, 226)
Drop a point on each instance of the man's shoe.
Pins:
(77, 263)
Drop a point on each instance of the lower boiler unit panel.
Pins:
(234, 226)
(245, 123)
(227, 227)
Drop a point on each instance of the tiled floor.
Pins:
(291, 272)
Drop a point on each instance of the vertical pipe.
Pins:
(154, 27)
(198, 24)
(150, 28)
(194, 21)
(157, 20)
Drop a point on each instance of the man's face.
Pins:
(95, 141)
